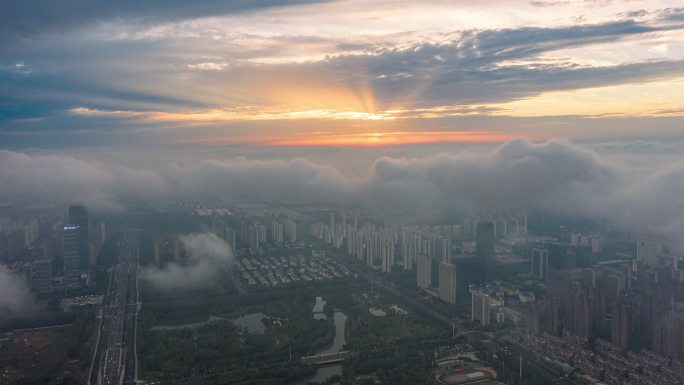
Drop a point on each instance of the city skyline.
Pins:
(342, 192)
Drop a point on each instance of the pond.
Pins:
(251, 323)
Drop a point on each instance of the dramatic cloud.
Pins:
(155, 73)
(64, 179)
(555, 176)
(292, 181)
(27, 17)
(653, 205)
(15, 295)
(208, 255)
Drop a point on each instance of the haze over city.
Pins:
(187, 188)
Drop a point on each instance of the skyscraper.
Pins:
(78, 216)
(424, 271)
(42, 276)
(485, 249)
(540, 263)
(72, 271)
(447, 282)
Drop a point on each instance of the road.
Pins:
(117, 358)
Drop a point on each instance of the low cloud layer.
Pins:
(208, 255)
(15, 295)
(555, 176)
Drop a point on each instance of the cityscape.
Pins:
(342, 192)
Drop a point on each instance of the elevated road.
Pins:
(117, 358)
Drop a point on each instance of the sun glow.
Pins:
(392, 138)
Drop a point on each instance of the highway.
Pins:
(117, 358)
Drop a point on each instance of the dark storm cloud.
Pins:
(29, 17)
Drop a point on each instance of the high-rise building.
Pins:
(41, 274)
(262, 233)
(648, 251)
(254, 238)
(485, 249)
(540, 263)
(621, 323)
(230, 237)
(480, 309)
(70, 248)
(332, 226)
(276, 232)
(424, 271)
(290, 231)
(446, 250)
(98, 234)
(447, 282)
(78, 216)
(387, 256)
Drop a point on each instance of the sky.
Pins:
(431, 108)
(276, 74)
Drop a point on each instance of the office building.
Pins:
(78, 216)
(70, 248)
(41, 274)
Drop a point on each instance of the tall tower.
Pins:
(78, 216)
(72, 271)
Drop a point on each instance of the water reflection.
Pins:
(324, 372)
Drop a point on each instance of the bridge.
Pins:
(326, 358)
